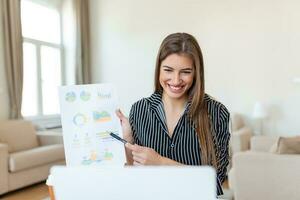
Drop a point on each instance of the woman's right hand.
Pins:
(126, 128)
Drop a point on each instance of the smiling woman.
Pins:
(178, 124)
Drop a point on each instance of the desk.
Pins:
(49, 183)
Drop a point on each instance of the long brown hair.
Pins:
(183, 43)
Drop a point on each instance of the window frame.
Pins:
(46, 121)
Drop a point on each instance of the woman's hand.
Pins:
(126, 128)
(144, 155)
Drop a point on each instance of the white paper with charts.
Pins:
(88, 116)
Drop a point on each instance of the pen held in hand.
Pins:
(118, 138)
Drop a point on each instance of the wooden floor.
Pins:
(39, 192)
(35, 192)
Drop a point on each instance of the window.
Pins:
(43, 53)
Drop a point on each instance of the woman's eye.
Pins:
(186, 72)
(167, 70)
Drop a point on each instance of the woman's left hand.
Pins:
(144, 155)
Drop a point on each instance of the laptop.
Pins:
(134, 183)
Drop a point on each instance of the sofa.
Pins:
(259, 174)
(240, 136)
(26, 155)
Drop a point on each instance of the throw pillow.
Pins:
(287, 145)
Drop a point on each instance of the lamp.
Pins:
(259, 113)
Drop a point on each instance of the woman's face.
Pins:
(176, 75)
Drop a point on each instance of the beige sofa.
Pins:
(25, 155)
(240, 134)
(258, 174)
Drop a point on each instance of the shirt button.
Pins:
(172, 145)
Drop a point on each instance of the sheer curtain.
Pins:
(13, 54)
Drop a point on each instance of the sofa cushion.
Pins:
(262, 143)
(35, 157)
(19, 135)
(287, 145)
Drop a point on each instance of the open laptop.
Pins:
(134, 183)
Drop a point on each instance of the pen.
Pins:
(118, 138)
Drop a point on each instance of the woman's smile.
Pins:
(176, 88)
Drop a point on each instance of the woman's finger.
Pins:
(138, 159)
(136, 163)
(129, 146)
(141, 155)
(134, 147)
(119, 114)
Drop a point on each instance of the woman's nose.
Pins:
(176, 80)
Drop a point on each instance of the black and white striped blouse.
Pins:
(148, 122)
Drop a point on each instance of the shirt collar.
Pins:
(157, 107)
(157, 104)
(156, 100)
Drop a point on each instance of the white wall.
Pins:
(4, 103)
(250, 50)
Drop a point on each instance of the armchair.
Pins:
(25, 155)
(240, 135)
(259, 174)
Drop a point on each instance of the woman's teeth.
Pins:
(175, 87)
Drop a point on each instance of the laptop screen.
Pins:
(134, 183)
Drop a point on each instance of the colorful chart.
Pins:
(104, 135)
(103, 116)
(108, 155)
(85, 95)
(94, 157)
(87, 139)
(76, 141)
(88, 118)
(91, 158)
(102, 95)
(80, 119)
(70, 97)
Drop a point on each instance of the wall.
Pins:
(250, 50)
(4, 103)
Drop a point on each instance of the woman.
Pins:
(178, 124)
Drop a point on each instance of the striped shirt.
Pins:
(148, 123)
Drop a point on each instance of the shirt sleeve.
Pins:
(222, 136)
(132, 120)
